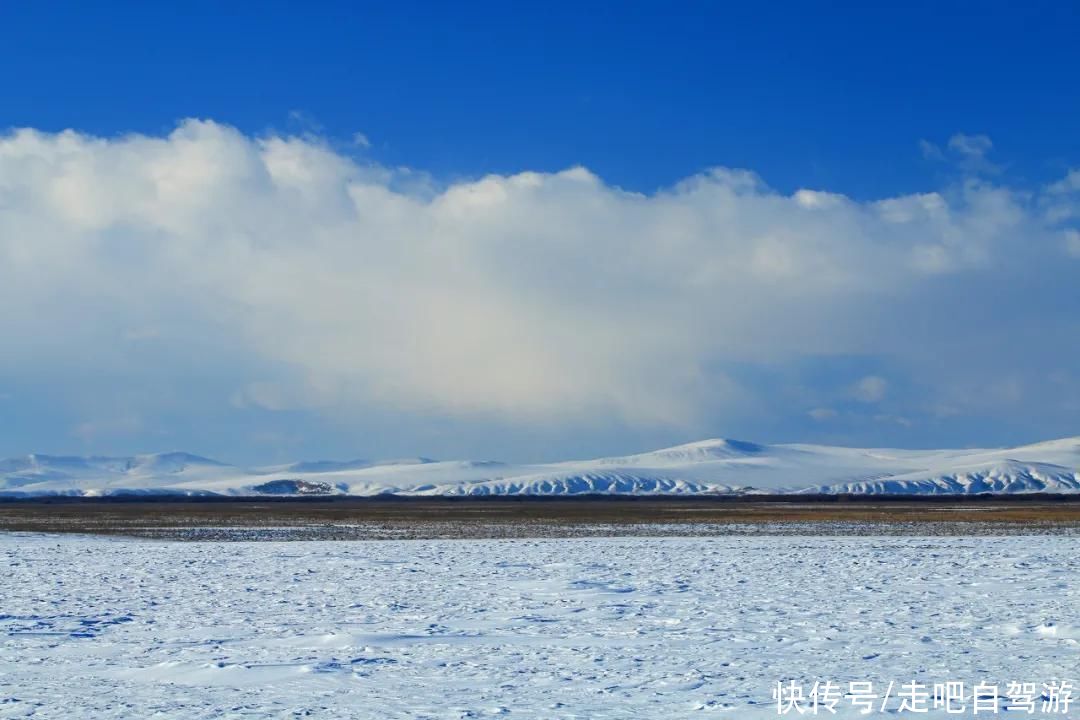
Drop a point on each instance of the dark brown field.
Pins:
(397, 518)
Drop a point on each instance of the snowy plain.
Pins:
(568, 628)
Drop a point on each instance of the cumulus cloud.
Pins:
(1061, 202)
(311, 281)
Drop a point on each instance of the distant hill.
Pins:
(708, 467)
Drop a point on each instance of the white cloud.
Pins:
(969, 153)
(870, 389)
(536, 297)
(1061, 200)
(973, 146)
(930, 151)
(1068, 184)
(893, 419)
(822, 414)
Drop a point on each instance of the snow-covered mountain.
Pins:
(708, 467)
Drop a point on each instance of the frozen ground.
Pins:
(567, 628)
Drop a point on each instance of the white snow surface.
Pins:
(583, 628)
(706, 467)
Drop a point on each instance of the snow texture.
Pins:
(588, 628)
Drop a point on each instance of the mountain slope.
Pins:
(699, 468)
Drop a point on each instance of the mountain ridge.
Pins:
(707, 467)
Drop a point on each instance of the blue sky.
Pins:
(834, 95)
(144, 277)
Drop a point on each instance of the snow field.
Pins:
(581, 628)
